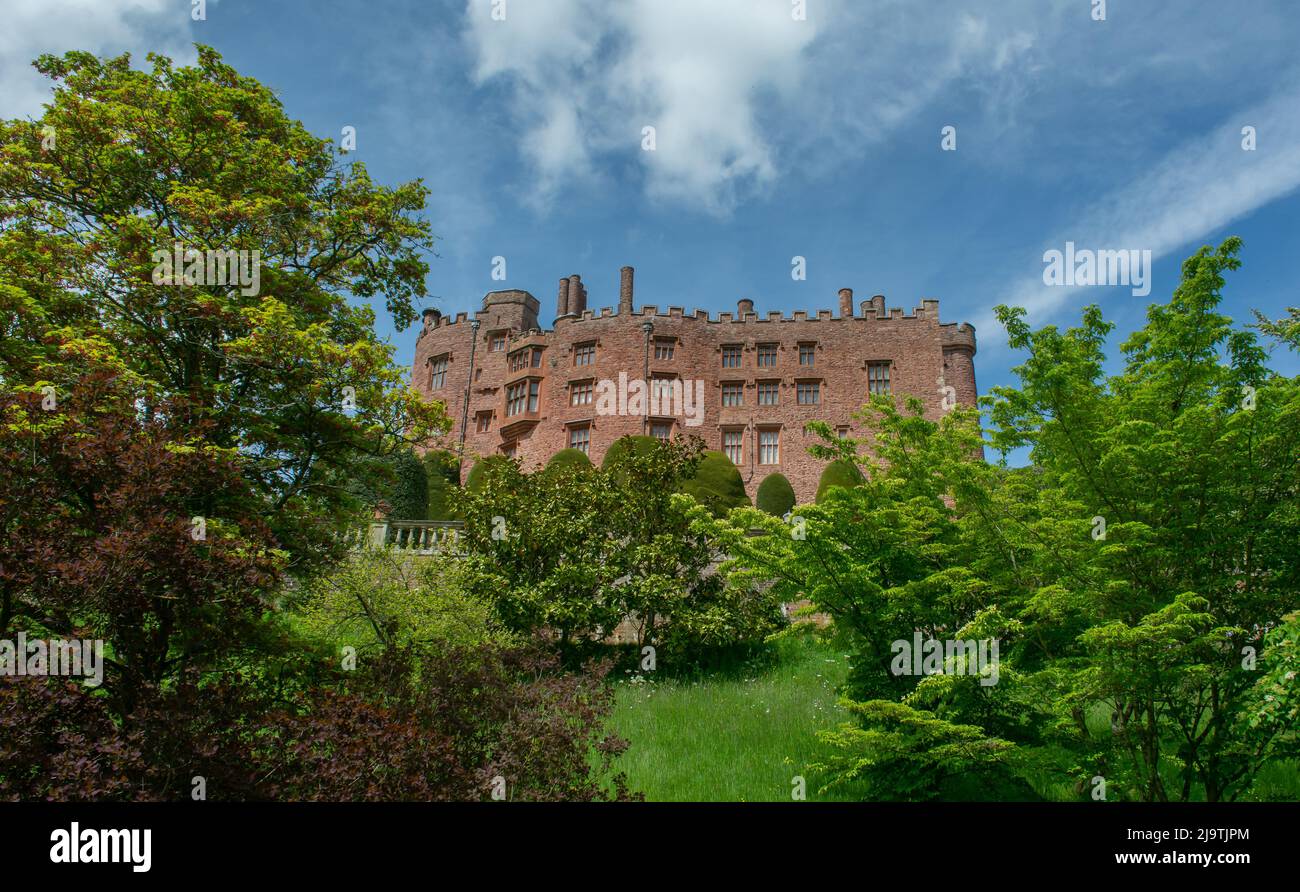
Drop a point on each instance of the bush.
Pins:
(567, 459)
(638, 445)
(775, 495)
(442, 469)
(474, 479)
(409, 497)
(381, 599)
(838, 473)
(413, 725)
(717, 484)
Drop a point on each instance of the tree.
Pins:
(255, 336)
(775, 495)
(1138, 575)
(575, 554)
(569, 459)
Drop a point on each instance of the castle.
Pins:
(744, 383)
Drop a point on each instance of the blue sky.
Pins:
(777, 137)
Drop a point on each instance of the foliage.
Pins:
(569, 459)
(1129, 575)
(716, 484)
(384, 600)
(442, 473)
(444, 724)
(639, 444)
(775, 495)
(576, 554)
(280, 368)
(840, 473)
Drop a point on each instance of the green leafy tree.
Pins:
(274, 355)
(716, 484)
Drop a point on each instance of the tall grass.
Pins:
(742, 737)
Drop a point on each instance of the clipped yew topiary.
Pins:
(838, 473)
(567, 459)
(775, 495)
(639, 444)
(717, 484)
(442, 468)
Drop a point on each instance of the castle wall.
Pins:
(919, 348)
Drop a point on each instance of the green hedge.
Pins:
(639, 444)
(717, 484)
(838, 473)
(775, 495)
(569, 458)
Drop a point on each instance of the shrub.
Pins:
(775, 495)
(838, 473)
(717, 484)
(408, 498)
(638, 444)
(442, 470)
(567, 459)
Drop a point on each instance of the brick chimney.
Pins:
(878, 304)
(577, 295)
(562, 302)
(625, 291)
(846, 303)
(743, 306)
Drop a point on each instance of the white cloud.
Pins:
(738, 90)
(103, 27)
(1195, 190)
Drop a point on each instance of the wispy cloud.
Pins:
(105, 27)
(1196, 189)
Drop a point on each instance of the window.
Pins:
(584, 354)
(767, 356)
(510, 450)
(537, 357)
(496, 343)
(808, 393)
(522, 397)
(878, 377)
(842, 432)
(731, 356)
(483, 422)
(661, 430)
(580, 393)
(438, 372)
(733, 444)
(808, 355)
(769, 393)
(664, 349)
(733, 393)
(662, 392)
(519, 360)
(769, 447)
(580, 439)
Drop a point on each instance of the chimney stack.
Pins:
(577, 295)
(846, 303)
(743, 306)
(878, 304)
(562, 303)
(625, 291)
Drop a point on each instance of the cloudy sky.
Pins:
(777, 137)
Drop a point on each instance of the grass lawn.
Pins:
(739, 738)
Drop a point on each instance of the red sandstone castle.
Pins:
(513, 388)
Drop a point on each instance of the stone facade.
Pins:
(763, 376)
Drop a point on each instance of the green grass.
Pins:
(739, 738)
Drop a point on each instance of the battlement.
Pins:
(572, 310)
